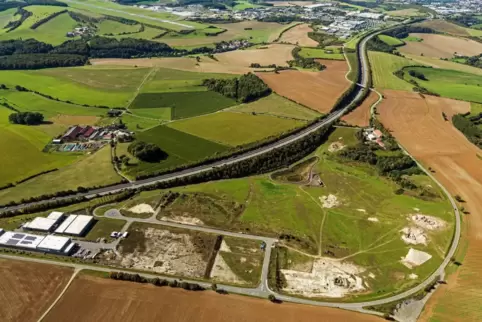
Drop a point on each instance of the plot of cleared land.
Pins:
(92, 170)
(316, 90)
(81, 85)
(298, 35)
(361, 115)
(418, 125)
(233, 62)
(405, 13)
(28, 289)
(450, 83)
(441, 46)
(383, 66)
(277, 106)
(235, 129)
(22, 151)
(91, 298)
(445, 27)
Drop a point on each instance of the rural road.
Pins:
(129, 13)
(263, 290)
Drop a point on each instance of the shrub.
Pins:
(148, 152)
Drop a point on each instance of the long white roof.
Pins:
(40, 223)
(14, 239)
(54, 243)
(79, 224)
(63, 226)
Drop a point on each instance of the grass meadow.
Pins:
(110, 27)
(392, 41)
(383, 66)
(322, 53)
(235, 129)
(450, 83)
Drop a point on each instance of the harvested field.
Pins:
(27, 290)
(444, 64)
(361, 115)
(418, 125)
(290, 3)
(233, 62)
(445, 26)
(405, 13)
(95, 299)
(441, 46)
(74, 119)
(316, 90)
(298, 35)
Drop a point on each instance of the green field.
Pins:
(183, 104)
(93, 170)
(235, 129)
(412, 38)
(6, 16)
(278, 106)
(81, 85)
(391, 40)
(383, 66)
(241, 5)
(261, 205)
(182, 148)
(450, 83)
(22, 154)
(110, 27)
(321, 53)
(103, 227)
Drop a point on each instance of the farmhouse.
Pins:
(374, 135)
(50, 244)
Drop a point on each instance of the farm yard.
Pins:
(316, 90)
(441, 46)
(27, 291)
(439, 145)
(92, 297)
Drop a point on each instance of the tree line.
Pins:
(246, 88)
(46, 19)
(302, 62)
(121, 276)
(404, 31)
(148, 152)
(38, 61)
(471, 131)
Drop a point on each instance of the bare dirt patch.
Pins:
(428, 222)
(329, 201)
(74, 119)
(184, 220)
(360, 116)
(414, 236)
(415, 258)
(164, 251)
(142, 209)
(27, 289)
(223, 273)
(233, 62)
(441, 46)
(336, 146)
(298, 35)
(96, 299)
(328, 278)
(316, 90)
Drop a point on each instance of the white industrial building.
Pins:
(75, 225)
(48, 223)
(50, 244)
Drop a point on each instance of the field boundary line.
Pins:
(74, 275)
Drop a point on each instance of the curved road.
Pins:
(263, 290)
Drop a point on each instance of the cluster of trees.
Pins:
(29, 46)
(376, 44)
(256, 65)
(302, 62)
(38, 61)
(417, 74)
(51, 204)
(155, 281)
(465, 20)
(324, 39)
(26, 118)
(403, 31)
(48, 18)
(102, 47)
(148, 152)
(471, 131)
(246, 88)
(14, 24)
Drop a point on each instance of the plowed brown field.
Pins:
(361, 115)
(298, 35)
(92, 299)
(233, 62)
(441, 46)
(418, 125)
(316, 90)
(27, 289)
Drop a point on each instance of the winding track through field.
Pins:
(263, 290)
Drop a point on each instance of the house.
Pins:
(72, 133)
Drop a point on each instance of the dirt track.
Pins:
(298, 35)
(234, 62)
(27, 290)
(441, 46)
(361, 115)
(96, 299)
(419, 126)
(316, 90)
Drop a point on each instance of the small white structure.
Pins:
(75, 225)
(45, 223)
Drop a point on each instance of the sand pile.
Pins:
(329, 201)
(328, 278)
(373, 219)
(415, 258)
(414, 236)
(428, 222)
(336, 146)
(142, 208)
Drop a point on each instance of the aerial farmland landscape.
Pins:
(240, 160)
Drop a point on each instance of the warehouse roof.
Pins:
(78, 225)
(61, 229)
(40, 223)
(56, 243)
(14, 239)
